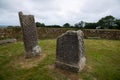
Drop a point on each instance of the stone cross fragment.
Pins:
(70, 52)
(29, 35)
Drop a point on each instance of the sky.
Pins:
(58, 12)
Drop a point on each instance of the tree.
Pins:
(91, 25)
(118, 23)
(108, 22)
(66, 25)
(81, 24)
(38, 24)
(53, 26)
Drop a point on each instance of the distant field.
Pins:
(103, 62)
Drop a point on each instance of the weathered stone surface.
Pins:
(51, 33)
(29, 35)
(70, 51)
(7, 41)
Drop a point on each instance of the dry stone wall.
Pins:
(49, 33)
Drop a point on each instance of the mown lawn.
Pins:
(103, 62)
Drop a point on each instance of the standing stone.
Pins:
(29, 35)
(70, 53)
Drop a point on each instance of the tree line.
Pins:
(107, 22)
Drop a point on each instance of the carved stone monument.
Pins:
(29, 35)
(70, 53)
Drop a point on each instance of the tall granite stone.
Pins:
(70, 54)
(29, 35)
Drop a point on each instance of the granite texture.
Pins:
(29, 35)
(70, 54)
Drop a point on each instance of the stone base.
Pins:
(30, 55)
(36, 51)
(67, 67)
(72, 68)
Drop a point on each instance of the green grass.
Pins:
(103, 62)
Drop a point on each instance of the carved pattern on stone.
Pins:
(29, 35)
(70, 54)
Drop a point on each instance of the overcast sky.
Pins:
(58, 11)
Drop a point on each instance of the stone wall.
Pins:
(7, 33)
(103, 34)
(50, 33)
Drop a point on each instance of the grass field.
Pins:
(103, 62)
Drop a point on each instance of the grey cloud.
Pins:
(58, 11)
